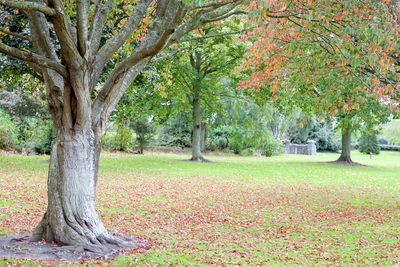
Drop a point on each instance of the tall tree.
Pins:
(197, 75)
(333, 58)
(72, 43)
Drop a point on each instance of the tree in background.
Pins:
(144, 133)
(196, 76)
(331, 59)
(71, 51)
(244, 126)
(369, 142)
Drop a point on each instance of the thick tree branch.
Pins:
(125, 32)
(82, 25)
(208, 5)
(65, 36)
(201, 17)
(29, 6)
(34, 58)
(41, 35)
(108, 50)
(216, 18)
(96, 27)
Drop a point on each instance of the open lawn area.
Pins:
(288, 209)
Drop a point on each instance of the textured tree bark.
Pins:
(203, 137)
(71, 218)
(345, 155)
(196, 138)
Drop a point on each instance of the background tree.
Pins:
(81, 98)
(196, 75)
(144, 133)
(369, 142)
(329, 58)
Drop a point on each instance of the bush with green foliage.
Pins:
(124, 139)
(390, 147)
(218, 138)
(321, 132)
(177, 131)
(31, 134)
(118, 138)
(41, 138)
(271, 146)
(8, 132)
(369, 143)
(241, 140)
(108, 141)
(237, 141)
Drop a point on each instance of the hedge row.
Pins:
(390, 147)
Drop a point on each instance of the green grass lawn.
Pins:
(288, 209)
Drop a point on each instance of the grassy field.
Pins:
(288, 209)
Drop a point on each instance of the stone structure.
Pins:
(308, 149)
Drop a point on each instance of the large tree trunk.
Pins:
(71, 217)
(345, 155)
(196, 137)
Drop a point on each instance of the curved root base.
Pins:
(20, 247)
(346, 162)
(81, 236)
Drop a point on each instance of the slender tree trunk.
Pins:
(346, 138)
(141, 149)
(196, 137)
(203, 137)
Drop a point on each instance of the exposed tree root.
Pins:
(200, 159)
(346, 162)
(88, 235)
(21, 247)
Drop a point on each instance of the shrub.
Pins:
(8, 132)
(248, 152)
(177, 131)
(321, 132)
(219, 138)
(124, 139)
(369, 143)
(270, 146)
(390, 147)
(237, 141)
(42, 138)
(109, 141)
